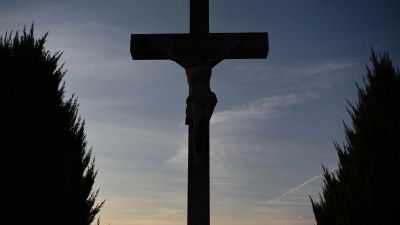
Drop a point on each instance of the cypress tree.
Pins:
(47, 171)
(364, 190)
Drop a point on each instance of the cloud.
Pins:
(180, 159)
(231, 149)
(314, 69)
(260, 109)
(90, 46)
(235, 118)
(288, 73)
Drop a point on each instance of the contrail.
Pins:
(294, 189)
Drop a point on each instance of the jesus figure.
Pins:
(201, 100)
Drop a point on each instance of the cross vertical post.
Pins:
(198, 196)
(199, 17)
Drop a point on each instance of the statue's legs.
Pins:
(196, 132)
(207, 113)
(201, 121)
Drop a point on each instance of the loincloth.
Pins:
(203, 100)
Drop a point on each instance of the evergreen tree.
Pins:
(47, 173)
(365, 189)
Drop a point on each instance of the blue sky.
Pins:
(273, 126)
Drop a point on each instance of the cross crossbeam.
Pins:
(210, 45)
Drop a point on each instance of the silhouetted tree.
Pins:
(365, 190)
(46, 173)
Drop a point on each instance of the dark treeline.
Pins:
(365, 189)
(47, 172)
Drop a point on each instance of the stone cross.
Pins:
(207, 45)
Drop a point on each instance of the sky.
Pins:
(275, 121)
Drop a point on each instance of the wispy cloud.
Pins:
(314, 69)
(288, 72)
(181, 156)
(238, 116)
(230, 147)
(91, 46)
(261, 109)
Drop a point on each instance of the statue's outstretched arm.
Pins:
(169, 54)
(223, 55)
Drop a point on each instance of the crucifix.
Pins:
(198, 52)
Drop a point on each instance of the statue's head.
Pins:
(192, 59)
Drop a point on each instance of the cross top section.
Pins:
(199, 17)
(199, 40)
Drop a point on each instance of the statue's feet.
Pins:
(199, 163)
